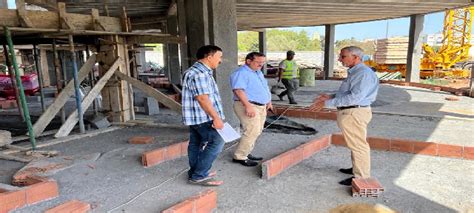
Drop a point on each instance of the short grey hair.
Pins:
(354, 50)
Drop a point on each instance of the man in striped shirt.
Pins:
(202, 112)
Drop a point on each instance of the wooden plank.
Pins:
(45, 67)
(50, 20)
(63, 17)
(159, 96)
(71, 121)
(20, 8)
(62, 98)
(96, 21)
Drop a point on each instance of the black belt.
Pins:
(350, 107)
(255, 103)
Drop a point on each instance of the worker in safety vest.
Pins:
(289, 75)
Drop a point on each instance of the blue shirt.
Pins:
(198, 80)
(359, 88)
(253, 83)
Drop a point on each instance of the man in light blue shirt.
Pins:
(352, 101)
(252, 99)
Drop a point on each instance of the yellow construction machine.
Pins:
(454, 49)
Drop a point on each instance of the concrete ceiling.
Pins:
(257, 14)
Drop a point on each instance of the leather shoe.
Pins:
(251, 157)
(247, 162)
(346, 171)
(346, 182)
(293, 102)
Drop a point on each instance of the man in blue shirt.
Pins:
(252, 100)
(202, 112)
(352, 101)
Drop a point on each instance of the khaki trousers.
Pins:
(353, 124)
(251, 129)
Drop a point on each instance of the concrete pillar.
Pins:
(329, 51)
(183, 47)
(172, 52)
(215, 22)
(414, 48)
(262, 47)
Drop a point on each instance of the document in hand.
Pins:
(228, 133)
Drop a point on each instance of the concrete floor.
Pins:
(413, 183)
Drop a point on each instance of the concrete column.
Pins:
(215, 22)
(223, 33)
(197, 27)
(183, 47)
(173, 53)
(329, 51)
(414, 48)
(262, 46)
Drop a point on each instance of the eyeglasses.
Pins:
(343, 56)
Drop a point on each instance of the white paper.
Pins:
(228, 133)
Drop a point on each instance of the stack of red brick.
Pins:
(366, 187)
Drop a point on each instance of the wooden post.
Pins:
(40, 76)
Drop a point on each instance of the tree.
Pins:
(247, 41)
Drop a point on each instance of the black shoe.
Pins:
(346, 171)
(247, 162)
(346, 182)
(293, 102)
(251, 157)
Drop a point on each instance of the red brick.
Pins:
(452, 98)
(73, 206)
(286, 159)
(459, 93)
(379, 143)
(400, 145)
(173, 151)
(454, 151)
(41, 191)
(324, 142)
(338, 139)
(468, 152)
(206, 201)
(153, 157)
(10, 200)
(182, 207)
(272, 168)
(330, 115)
(310, 148)
(298, 153)
(425, 148)
(184, 147)
(436, 89)
(141, 140)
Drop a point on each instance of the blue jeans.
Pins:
(205, 144)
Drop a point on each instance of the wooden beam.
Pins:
(62, 98)
(63, 19)
(71, 121)
(50, 20)
(155, 39)
(159, 96)
(20, 8)
(96, 21)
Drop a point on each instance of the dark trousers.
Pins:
(205, 144)
(291, 86)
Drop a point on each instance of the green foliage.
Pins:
(367, 46)
(279, 40)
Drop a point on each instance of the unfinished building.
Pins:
(89, 149)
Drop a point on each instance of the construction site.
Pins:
(86, 125)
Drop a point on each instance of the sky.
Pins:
(378, 29)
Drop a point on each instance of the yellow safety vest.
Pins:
(290, 66)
